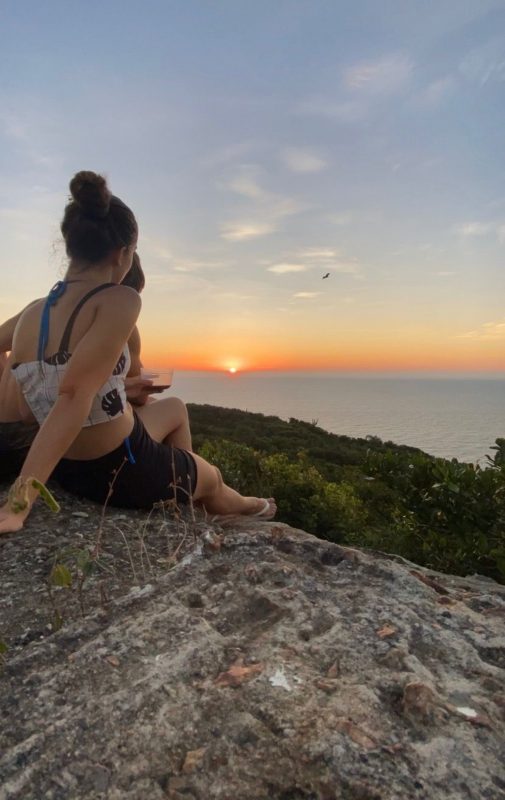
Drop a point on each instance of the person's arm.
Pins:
(7, 329)
(90, 366)
(137, 387)
(134, 346)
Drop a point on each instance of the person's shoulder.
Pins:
(32, 308)
(124, 297)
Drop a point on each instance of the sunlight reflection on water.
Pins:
(453, 418)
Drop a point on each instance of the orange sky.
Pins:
(458, 355)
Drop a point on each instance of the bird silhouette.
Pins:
(326, 276)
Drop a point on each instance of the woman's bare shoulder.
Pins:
(125, 295)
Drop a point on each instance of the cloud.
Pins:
(340, 219)
(319, 253)
(387, 75)
(468, 229)
(228, 153)
(284, 268)
(233, 296)
(244, 231)
(364, 86)
(306, 295)
(303, 160)
(327, 259)
(445, 273)
(154, 248)
(489, 331)
(195, 265)
(245, 183)
(24, 131)
(267, 208)
(435, 93)
(485, 63)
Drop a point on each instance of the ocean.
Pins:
(448, 417)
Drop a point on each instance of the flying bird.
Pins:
(326, 276)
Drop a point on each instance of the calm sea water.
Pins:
(453, 418)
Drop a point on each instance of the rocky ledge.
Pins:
(153, 658)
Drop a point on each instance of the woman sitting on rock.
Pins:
(18, 426)
(70, 359)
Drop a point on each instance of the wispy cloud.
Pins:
(155, 248)
(152, 249)
(386, 75)
(247, 230)
(329, 260)
(196, 265)
(246, 183)
(489, 331)
(228, 153)
(469, 229)
(486, 62)
(284, 268)
(340, 219)
(267, 208)
(24, 130)
(435, 93)
(303, 160)
(306, 295)
(319, 253)
(232, 296)
(364, 87)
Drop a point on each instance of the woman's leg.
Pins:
(218, 498)
(166, 421)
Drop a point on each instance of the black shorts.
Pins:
(160, 472)
(15, 441)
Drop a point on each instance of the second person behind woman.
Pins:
(70, 360)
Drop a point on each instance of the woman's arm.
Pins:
(7, 329)
(134, 346)
(90, 366)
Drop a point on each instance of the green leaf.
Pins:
(46, 495)
(60, 576)
(85, 562)
(57, 621)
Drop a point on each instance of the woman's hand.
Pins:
(11, 521)
(137, 390)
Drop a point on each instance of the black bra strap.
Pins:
(67, 333)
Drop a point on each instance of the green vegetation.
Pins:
(446, 515)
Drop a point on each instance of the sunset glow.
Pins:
(336, 204)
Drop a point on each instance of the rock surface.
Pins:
(238, 661)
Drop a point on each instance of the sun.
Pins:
(232, 370)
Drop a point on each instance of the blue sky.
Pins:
(262, 145)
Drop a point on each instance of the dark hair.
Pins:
(135, 277)
(95, 222)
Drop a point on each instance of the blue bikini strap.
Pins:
(56, 292)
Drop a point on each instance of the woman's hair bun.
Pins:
(91, 194)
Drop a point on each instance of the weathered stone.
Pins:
(244, 661)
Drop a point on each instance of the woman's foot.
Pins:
(266, 508)
(260, 508)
